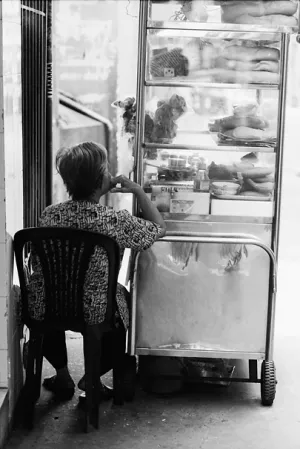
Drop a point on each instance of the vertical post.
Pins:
(140, 94)
(49, 104)
(285, 39)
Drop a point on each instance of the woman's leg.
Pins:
(55, 351)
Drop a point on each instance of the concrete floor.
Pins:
(206, 418)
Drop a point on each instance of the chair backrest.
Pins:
(64, 255)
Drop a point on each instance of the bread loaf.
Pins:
(257, 66)
(273, 20)
(234, 121)
(231, 12)
(240, 53)
(244, 132)
(232, 76)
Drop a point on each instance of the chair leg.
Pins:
(92, 355)
(31, 389)
(38, 366)
(119, 342)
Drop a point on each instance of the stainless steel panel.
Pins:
(194, 296)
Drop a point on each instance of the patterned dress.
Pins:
(128, 231)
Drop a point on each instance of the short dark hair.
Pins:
(81, 168)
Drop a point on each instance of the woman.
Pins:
(85, 174)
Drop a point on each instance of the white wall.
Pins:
(11, 191)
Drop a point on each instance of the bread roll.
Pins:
(273, 20)
(231, 12)
(232, 76)
(236, 121)
(265, 66)
(244, 132)
(240, 53)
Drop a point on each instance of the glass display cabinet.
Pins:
(208, 151)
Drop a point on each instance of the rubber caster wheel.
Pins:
(130, 377)
(268, 382)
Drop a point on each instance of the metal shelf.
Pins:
(182, 82)
(167, 216)
(245, 149)
(226, 27)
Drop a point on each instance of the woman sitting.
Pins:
(85, 174)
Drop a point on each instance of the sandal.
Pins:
(62, 389)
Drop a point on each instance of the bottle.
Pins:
(204, 182)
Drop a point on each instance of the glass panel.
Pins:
(214, 57)
(259, 13)
(197, 183)
(211, 118)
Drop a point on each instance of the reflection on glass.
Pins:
(211, 58)
(210, 118)
(271, 14)
(198, 182)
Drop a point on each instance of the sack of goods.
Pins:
(274, 13)
(167, 63)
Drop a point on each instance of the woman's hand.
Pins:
(121, 184)
(149, 210)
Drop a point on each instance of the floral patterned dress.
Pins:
(128, 231)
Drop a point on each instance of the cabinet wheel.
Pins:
(268, 382)
(130, 370)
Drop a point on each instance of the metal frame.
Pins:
(144, 26)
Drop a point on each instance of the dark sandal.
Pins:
(62, 390)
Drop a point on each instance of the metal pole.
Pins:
(138, 154)
(132, 329)
(285, 39)
(298, 35)
(49, 105)
(140, 95)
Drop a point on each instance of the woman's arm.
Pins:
(149, 210)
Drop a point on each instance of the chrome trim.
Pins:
(169, 83)
(206, 148)
(285, 39)
(209, 353)
(198, 26)
(167, 216)
(140, 96)
(132, 328)
(298, 35)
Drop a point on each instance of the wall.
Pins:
(11, 192)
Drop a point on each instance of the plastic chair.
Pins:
(64, 256)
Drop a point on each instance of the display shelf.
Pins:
(219, 27)
(182, 82)
(224, 148)
(167, 216)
